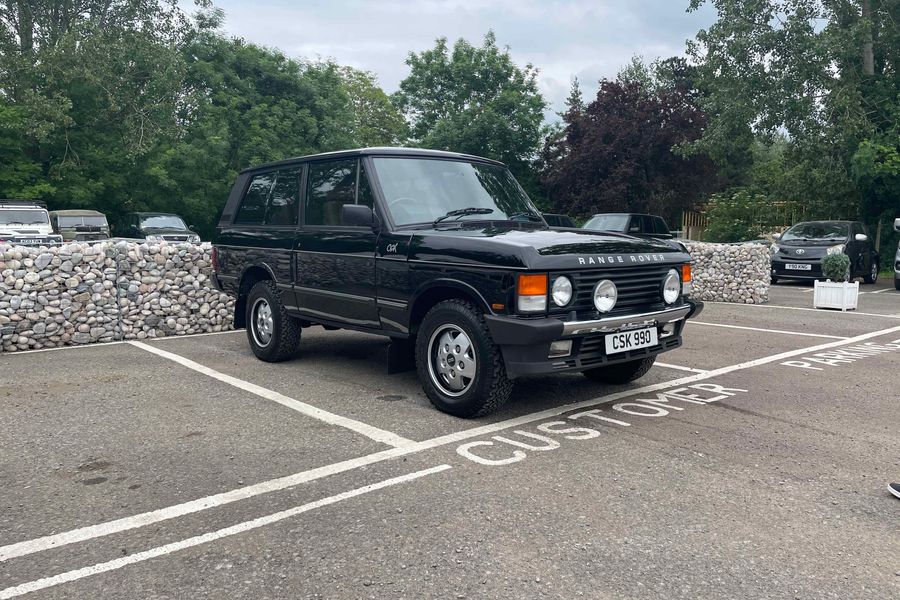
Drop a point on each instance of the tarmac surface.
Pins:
(750, 463)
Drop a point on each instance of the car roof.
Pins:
(155, 214)
(624, 213)
(826, 221)
(77, 212)
(376, 151)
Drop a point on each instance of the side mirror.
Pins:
(897, 225)
(861, 237)
(776, 236)
(357, 215)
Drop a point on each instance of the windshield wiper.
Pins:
(528, 215)
(461, 212)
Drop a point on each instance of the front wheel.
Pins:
(273, 334)
(459, 366)
(872, 277)
(621, 372)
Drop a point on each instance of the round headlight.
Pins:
(561, 292)
(605, 295)
(671, 286)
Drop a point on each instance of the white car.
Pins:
(26, 223)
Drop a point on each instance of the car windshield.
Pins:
(607, 223)
(420, 191)
(163, 221)
(24, 217)
(817, 231)
(76, 221)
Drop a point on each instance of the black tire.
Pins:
(897, 284)
(487, 389)
(872, 277)
(621, 372)
(774, 280)
(282, 341)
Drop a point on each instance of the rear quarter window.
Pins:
(252, 210)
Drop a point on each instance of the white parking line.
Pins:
(379, 435)
(880, 291)
(818, 310)
(800, 333)
(678, 367)
(69, 576)
(140, 520)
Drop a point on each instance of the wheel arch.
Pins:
(249, 277)
(439, 290)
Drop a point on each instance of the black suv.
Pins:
(798, 252)
(445, 254)
(156, 227)
(638, 225)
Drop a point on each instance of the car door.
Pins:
(857, 251)
(335, 263)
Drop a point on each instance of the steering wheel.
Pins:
(393, 206)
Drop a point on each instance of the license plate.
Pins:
(798, 267)
(30, 242)
(630, 340)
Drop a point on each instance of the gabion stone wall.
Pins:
(730, 272)
(97, 292)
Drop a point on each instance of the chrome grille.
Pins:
(639, 288)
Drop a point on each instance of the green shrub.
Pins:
(836, 267)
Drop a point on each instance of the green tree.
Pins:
(475, 100)
(376, 121)
(825, 74)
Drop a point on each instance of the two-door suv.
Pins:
(445, 254)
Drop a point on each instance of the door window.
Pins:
(252, 210)
(282, 206)
(331, 185)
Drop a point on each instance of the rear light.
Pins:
(531, 292)
(686, 279)
(214, 259)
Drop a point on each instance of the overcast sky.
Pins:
(590, 39)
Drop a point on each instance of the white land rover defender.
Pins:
(26, 223)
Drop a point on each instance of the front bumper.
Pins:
(31, 240)
(781, 271)
(525, 343)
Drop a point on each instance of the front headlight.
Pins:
(561, 291)
(835, 249)
(194, 239)
(154, 238)
(775, 248)
(671, 286)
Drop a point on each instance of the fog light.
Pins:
(605, 295)
(560, 348)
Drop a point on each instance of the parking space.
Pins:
(753, 458)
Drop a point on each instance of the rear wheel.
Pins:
(872, 277)
(459, 366)
(897, 284)
(273, 334)
(621, 372)
(774, 280)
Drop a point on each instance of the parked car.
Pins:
(157, 227)
(444, 254)
(558, 220)
(798, 252)
(638, 225)
(897, 258)
(80, 225)
(26, 223)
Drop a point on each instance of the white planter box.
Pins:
(830, 294)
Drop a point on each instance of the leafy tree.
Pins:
(376, 122)
(617, 155)
(475, 100)
(825, 74)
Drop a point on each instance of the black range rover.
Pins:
(445, 254)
